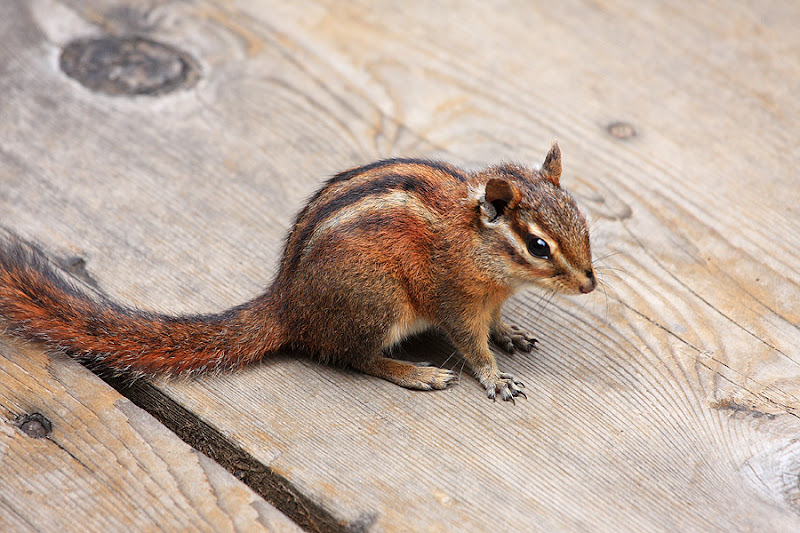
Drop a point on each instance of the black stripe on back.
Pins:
(353, 172)
(437, 165)
(388, 182)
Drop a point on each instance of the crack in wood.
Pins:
(206, 439)
(72, 455)
(274, 488)
(787, 408)
(705, 301)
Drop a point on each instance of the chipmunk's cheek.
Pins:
(534, 274)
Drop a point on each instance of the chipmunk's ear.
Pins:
(499, 197)
(551, 168)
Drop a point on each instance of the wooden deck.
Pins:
(667, 401)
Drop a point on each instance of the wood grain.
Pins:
(669, 401)
(107, 465)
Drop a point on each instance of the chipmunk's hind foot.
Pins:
(409, 375)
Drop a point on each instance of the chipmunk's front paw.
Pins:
(505, 386)
(512, 338)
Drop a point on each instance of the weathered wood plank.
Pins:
(670, 404)
(107, 465)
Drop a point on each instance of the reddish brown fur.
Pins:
(377, 252)
(38, 303)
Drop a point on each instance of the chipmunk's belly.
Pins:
(403, 329)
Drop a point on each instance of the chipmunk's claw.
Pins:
(513, 338)
(506, 387)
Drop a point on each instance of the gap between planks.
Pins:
(206, 439)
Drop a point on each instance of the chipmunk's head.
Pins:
(533, 229)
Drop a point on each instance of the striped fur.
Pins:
(379, 253)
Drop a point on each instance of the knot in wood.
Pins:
(35, 425)
(128, 66)
(621, 130)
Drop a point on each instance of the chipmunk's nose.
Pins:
(589, 283)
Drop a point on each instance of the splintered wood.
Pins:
(667, 400)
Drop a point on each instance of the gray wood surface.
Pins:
(668, 401)
(106, 465)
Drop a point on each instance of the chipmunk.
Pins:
(379, 253)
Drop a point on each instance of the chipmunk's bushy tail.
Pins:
(38, 303)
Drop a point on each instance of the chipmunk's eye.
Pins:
(538, 248)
